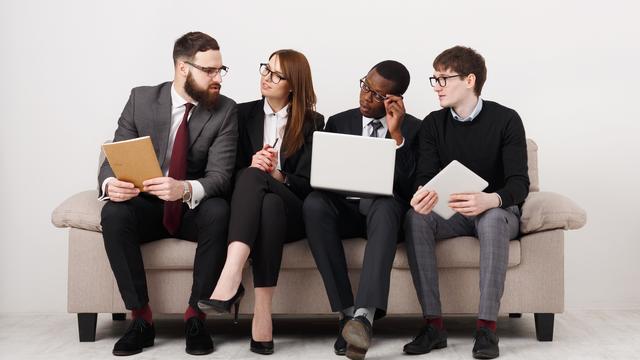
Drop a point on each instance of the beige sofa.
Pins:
(534, 284)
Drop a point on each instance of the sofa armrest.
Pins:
(81, 211)
(547, 210)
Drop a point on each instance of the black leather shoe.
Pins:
(357, 333)
(261, 347)
(486, 344)
(213, 306)
(429, 338)
(340, 346)
(140, 334)
(197, 337)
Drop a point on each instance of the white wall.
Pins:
(569, 69)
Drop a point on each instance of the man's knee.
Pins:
(116, 212)
(213, 211)
(415, 220)
(496, 218)
(386, 207)
(316, 204)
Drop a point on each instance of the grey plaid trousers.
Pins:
(494, 228)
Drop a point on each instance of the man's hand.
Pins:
(395, 115)
(264, 159)
(166, 188)
(473, 204)
(424, 201)
(119, 191)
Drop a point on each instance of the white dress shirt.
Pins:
(177, 113)
(367, 129)
(471, 116)
(274, 124)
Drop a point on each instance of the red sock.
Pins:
(491, 325)
(143, 313)
(436, 322)
(191, 312)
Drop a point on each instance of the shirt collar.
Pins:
(283, 113)
(177, 100)
(366, 121)
(473, 114)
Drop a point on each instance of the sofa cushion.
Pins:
(456, 252)
(547, 210)
(532, 162)
(168, 254)
(451, 253)
(81, 211)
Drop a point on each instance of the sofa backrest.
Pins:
(532, 156)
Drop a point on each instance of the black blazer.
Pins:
(297, 167)
(350, 122)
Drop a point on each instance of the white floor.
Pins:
(578, 335)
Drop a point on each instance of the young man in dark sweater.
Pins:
(489, 139)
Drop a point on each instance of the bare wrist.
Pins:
(498, 200)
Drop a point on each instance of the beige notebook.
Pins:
(133, 160)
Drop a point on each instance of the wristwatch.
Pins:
(186, 192)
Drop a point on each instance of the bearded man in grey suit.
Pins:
(194, 133)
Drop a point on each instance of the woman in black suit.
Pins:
(274, 158)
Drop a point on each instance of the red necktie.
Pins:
(177, 170)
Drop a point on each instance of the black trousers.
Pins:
(126, 225)
(329, 218)
(265, 214)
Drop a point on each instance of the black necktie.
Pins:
(375, 126)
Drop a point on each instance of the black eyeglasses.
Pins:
(442, 80)
(211, 71)
(376, 95)
(274, 76)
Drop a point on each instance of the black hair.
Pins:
(396, 73)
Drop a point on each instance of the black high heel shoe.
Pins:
(261, 347)
(213, 306)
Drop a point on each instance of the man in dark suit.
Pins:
(194, 133)
(330, 217)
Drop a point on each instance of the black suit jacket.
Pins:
(296, 167)
(350, 122)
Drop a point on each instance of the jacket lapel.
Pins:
(162, 116)
(255, 127)
(355, 123)
(197, 121)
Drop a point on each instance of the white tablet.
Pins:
(453, 179)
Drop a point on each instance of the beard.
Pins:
(206, 97)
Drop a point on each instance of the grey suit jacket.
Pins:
(213, 135)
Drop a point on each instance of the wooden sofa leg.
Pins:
(119, 316)
(87, 326)
(544, 326)
(515, 315)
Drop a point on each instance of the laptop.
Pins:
(454, 178)
(353, 165)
